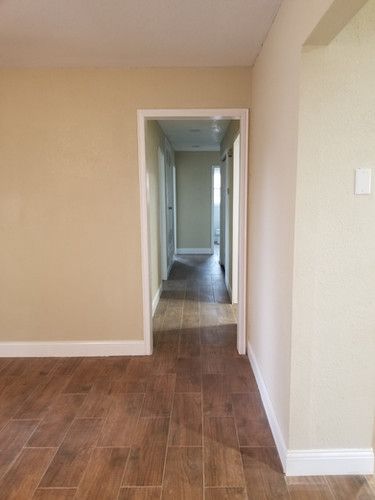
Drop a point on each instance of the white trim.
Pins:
(312, 462)
(330, 462)
(68, 348)
(162, 215)
(227, 194)
(212, 210)
(143, 115)
(145, 242)
(175, 204)
(155, 300)
(235, 216)
(267, 403)
(193, 251)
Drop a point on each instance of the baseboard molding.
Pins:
(324, 462)
(72, 348)
(267, 403)
(330, 462)
(155, 300)
(193, 251)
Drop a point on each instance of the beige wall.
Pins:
(227, 144)
(69, 192)
(194, 194)
(272, 183)
(333, 369)
(155, 139)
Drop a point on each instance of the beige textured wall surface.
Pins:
(333, 369)
(272, 183)
(227, 143)
(70, 252)
(155, 139)
(194, 194)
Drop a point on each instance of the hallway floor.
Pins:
(185, 423)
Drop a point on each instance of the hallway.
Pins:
(185, 423)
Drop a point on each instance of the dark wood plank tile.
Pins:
(225, 494)
(222, 458)
(186, 421)
(72, 457)
(183, 474)
(151, 432)
(190, 319)
(186, 382)
(248, 406)
(239, 383)
(254, 432)
(145, 493)
(24, 475)
(159, 396)
(12, 439)
(213, 364)
(263, 474)
(190, 345)
(36, 406)
(122, 418)
(54, 493)
(145, 466)
(14, 395)
(344, 487)
(216, 398)
(84, 376)
(146, 461)
(309, 488)
(53, 428)
(103, 476)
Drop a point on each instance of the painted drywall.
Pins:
(155, 139)
(194, 195)
(230, 135)
(226, 147)
(272, 183)
(70, 248)
(333, 339)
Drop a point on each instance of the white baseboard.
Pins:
(324, 462)
(193, 251)
(72, 348)
(330, 462)
(267, 403)
(155, 300)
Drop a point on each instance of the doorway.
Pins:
(144, 116)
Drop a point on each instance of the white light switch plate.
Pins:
(362, 181)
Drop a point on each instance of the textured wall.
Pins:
(155, 139)
(70, 251)
(333, 342)
(273, 163)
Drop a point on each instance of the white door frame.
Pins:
(212, 209)
(162, 213)
(235, 216)
(143, 115)
(228, 283)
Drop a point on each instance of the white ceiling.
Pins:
(131, 33)
(195, 135)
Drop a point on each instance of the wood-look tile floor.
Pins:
(185, 423)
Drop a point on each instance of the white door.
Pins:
(169, 204)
